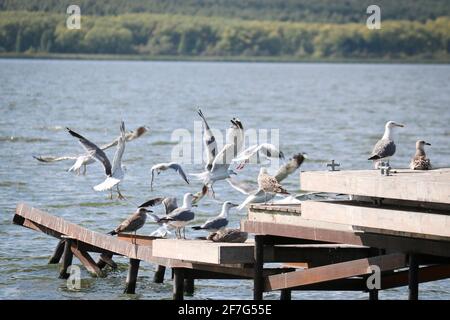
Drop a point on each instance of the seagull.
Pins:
(209, 141)
(420, 160)
(169, 203)
(82, 161)
(228, 235)
(219, 222)
(133, 223)
(269, 184)
(114, 173)
(235, 134)
(179, 217)
(385, 147)
(258, 196)
(267, 150)
(165, 166)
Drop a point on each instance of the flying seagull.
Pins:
(385, 147)
(268, 183)
(83, 160)
(133, 223)
(165, 166)
(179, 217)
(266, 150)
(258, 196)
(420, 160)
(209, 141)
(114, 173)
(219, 222)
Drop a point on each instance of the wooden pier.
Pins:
(395, 227)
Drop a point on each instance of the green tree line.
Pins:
(339, 11)
(161, 34)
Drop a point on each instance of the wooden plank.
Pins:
(87, 261)
(178, 284)
(67, 260)
(397, 243)
(431, 224)
(425, 274)
(203, 251)
(57, 254)
(59, 226)
(334, 271)
(404, 184)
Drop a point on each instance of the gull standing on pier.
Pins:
(166, 166)
(179, 217)
(133, 223)
(219, 222)
(420, 160)
(385, 147)
(82, 161)
(114, 173)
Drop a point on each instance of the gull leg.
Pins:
(111, 194)
(120, 196)
(184, 233)
(84, 170)
(213, 192)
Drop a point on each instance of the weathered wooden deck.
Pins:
(398, 224)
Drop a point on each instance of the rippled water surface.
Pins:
(330, 111)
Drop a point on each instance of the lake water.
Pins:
(330, 111)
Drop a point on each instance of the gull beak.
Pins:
(427, 144)
(233, 205)
(147, 210)
(399, 125)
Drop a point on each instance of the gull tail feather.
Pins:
(109, 183)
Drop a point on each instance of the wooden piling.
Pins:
(57, 254)
(373, 295)
(189, 287)
(67, 259)
(178, 284)
(159, 274)
(285, 294)
(130, 287)
(258, 281)
(106, 259)
(413, 277)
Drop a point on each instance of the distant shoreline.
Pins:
(267, 59)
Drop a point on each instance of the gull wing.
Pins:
(209, 141)
(94, 151)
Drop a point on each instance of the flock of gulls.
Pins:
(223, 164)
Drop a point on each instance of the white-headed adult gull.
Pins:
(385, 147)
(219, 222)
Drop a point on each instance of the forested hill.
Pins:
(329, 11)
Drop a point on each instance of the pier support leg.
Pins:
(130, 287)
(285, 294)
(57, 254)
(373, 294)
(178, 284)
(258, 281)
(106, 259)
(67, 259)
(159, 274)
(189, 286)
(413, 277)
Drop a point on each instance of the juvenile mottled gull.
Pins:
(228, 235)
(420, 160)
(219, 222)
(115, 173)
(133, 223)
(166, 166)
(269, 184)
(385, 147)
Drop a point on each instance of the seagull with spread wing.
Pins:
(83, 160)
(209, 142)
(114, 173)
(158, 168)
(267, 150)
